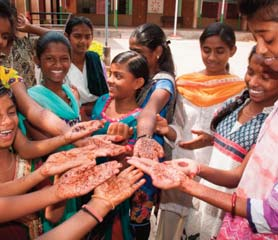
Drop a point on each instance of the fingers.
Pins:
(143, 164)
(118, 128)
(198, 132)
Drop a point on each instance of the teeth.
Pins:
(5, 133)
(56, 72)
(255, 91)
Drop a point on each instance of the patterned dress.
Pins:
(27, 227)
(232, 142)
(21, 59)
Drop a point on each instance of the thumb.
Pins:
(198, 132)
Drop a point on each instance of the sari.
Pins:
(70, 114)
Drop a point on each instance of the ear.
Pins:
(158, 51)
(233, 51)
(139, 82)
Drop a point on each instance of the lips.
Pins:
(6, 135)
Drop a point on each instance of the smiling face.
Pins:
(262, 88)
(55, 62)
(266, 35)
(80, 38)
(122, 83)
(215, 55)
(5, 32)
(8, 122)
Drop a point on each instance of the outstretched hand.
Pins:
(105, 148)
(82, 129)
(120, 129)
(148, 148)
(203, 139)
(60, 162)
(81, 180)
(189, 167)
(161, 126)
(164, 176)
(120, 187)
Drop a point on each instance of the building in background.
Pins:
(131, 13)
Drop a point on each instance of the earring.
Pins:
(157, 57)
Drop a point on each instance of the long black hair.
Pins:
(151, 36)
(136, 63)
(240, 100)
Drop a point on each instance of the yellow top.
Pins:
(9, 76)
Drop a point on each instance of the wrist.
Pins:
(144, 136)
(101, 206)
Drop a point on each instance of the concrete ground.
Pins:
(185, 48)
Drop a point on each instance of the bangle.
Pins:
(145, 136)
(92, 213)
(105, 199)
(233, 211)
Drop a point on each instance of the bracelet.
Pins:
(92, 213)
(233, 211)
(105, 199)
(145, 136)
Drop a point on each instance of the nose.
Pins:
(253, 81)
(110, 79)
(5, 120)
(261, 48)
(211, 55)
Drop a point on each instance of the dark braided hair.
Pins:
(240, 100)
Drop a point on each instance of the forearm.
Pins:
(25, 204)
(229, 179)
(38, 116)
(21, 185)
(214, 197)
(171, 134)
(37, 30)
(146, 123)
(79, 224)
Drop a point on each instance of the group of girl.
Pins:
(137, 101)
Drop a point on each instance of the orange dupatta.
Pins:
(204, 91)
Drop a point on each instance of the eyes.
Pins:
(261, 75)
(53, 59)
(209, 50)
(79, 37)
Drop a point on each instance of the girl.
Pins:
(129, 73)
(18, 51)
(13, 167)
(200, 94)
(157, 97)
(86, 72)
(38, 116)
(53, 56)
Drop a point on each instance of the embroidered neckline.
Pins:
(103, 112)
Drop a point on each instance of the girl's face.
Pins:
(80, 38)
(262, 88)
(215, 55)
(55, 62)
(8, 121)
(151, 56)
(122, 83)
(266, 34)
(5, 32)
